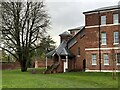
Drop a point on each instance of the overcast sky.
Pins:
(66, 14)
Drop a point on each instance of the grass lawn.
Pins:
(17, 79)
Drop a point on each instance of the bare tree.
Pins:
(23, 24)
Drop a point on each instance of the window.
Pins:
(106, 61)
(115, 18)
(118, 58)
(93, 59)
(78, 50)
(116, 37)
(103, 20)
(103, 38)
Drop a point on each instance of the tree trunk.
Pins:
(23, 63)
(23, 67)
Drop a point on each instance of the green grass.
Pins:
(17, 79)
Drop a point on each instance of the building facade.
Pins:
(102, 39)
(93, 47)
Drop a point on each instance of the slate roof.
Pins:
(61, 50)
(50, 54)
(104, 9)
(72, 39)
(65, 34)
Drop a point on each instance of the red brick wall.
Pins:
(78, 60)
(92, 40)
(42, 63)
(12, 65)
(93, 19)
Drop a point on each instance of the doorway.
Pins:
(84, 64)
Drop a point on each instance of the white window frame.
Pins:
(104, 58)
(94, 58)
(117, 59)
(116, 39)
(115, 18)
(103, 38)
(103, 20)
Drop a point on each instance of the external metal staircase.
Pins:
(52, 68)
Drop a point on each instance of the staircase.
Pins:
(52, 68)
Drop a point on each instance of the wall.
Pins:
(92, 40)
(78, 60)
(7, 66)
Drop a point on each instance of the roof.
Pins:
(103, 9)
(65, 34)
(61, 50)
(81, 29)
(50, 54)
(77, 28)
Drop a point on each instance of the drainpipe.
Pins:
(99, 17)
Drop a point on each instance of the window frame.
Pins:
(103, 20)
(103, 39)
(94, 59)
(78, 51)
(104, 58)
(115, 21)
(116, 38)
(117, 59)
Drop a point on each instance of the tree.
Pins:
(23, 24)
(47, 44)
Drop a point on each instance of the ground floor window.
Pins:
(93, 59)
(118, 58)
(106, 59)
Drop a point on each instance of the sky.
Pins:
(67, 14)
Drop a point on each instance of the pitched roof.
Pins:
(61, 50)
(65, 34)
(50, 54)
(103, 9)
(72, 39)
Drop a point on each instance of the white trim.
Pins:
(91, 26)
(118, 64)
(102, 25)
(115, 48)
(46, 62)
(66, 64)
(103, 44)
(94, 64)
(115, 43)
(102, 71)
(106, 64)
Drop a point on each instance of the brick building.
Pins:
(93, 47)
(102, 45)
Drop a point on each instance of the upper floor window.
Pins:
(78, 51)
(103, 37)
(115, 18)
(93, 59)
(118, 58)
(103, 20)
(106, 60)
(116, 37)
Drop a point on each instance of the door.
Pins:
(84, 64)
(66, 64)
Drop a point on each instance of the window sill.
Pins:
(78, 55)
(106, 64)
(103, 44)
(115, 43)
(94, 64)
(118, 64)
